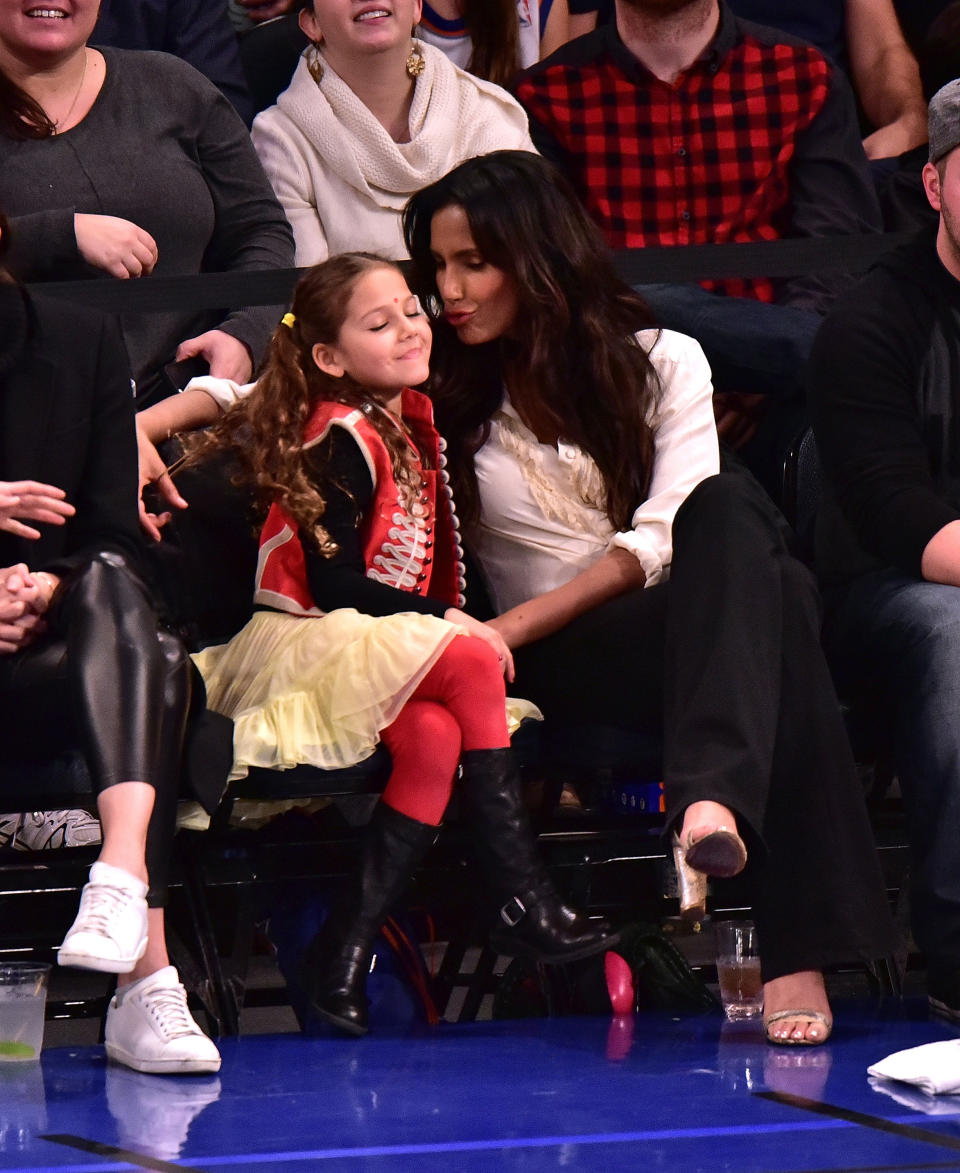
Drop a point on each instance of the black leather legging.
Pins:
(107, 682)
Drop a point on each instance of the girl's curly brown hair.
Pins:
(264, 431)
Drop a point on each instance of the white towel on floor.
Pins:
(934, 1067)
(914, 1098)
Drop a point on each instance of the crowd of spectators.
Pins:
(130, 145)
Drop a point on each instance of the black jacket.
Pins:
(884, 388)
(66, 418)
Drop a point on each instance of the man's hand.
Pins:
(153, 471)
(119, 247)
(894, 139)
(738, 416)
(31, 501)
(228, 357)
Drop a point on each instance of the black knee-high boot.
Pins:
(337, 961)
(532, 920)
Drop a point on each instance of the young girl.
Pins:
(360, 636)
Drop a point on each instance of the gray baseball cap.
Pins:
(944, 120)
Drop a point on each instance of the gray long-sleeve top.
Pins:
(163, 148)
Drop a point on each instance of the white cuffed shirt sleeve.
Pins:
(686, 449)
(224, 392)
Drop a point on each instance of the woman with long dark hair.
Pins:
(635, 584)
(494, 38)
(84, 665)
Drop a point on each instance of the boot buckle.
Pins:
(513, 912)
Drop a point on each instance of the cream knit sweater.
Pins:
(341, 178)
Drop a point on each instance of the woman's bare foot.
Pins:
(801, 991)
(702, 817)
(709, 840)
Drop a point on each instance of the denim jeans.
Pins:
(903, 635)
(750, 345)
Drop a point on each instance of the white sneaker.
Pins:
(149, 1028)
(9, 826)
(110, 932)
(153, 1115)
(47, 830)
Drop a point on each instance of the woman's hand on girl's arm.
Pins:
(31, 501)
(614, 573)
(485, 631)
(119, 247)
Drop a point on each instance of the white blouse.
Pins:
(542, 507)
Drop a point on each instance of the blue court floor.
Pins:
(647, 1093)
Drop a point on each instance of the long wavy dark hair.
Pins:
(22, 117)
(495, 34)
(264, 430)
(572, 364)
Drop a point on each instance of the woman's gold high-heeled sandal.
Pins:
(691, 885)
(719, 852)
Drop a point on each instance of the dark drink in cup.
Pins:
(741, 987)
(738, 970)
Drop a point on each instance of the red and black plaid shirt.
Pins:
(713, 157)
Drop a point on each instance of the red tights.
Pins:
(457, 706)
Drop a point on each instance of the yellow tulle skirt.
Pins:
(318, 690)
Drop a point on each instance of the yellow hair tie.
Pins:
(288, 320)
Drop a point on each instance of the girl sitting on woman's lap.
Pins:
(360, 637)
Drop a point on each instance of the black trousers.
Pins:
(108, 682)
(724, 661)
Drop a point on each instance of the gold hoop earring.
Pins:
(315, 62)
(415, 63)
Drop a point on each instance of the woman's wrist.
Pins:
(48, 585)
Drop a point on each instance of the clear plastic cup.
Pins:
(23, 1107)
(738, 970)
(23, 1003)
